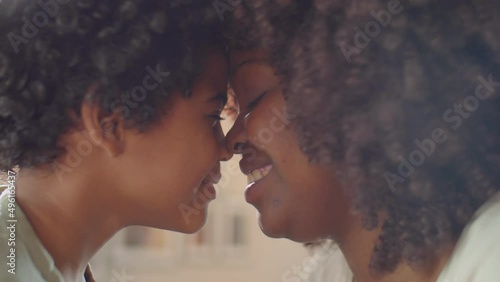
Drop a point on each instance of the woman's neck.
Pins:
(357, 245)
(72, 219)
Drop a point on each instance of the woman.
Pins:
(373, 123)
(111, 110)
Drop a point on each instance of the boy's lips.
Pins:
(211, 179)
(207, 189)
(207, 185)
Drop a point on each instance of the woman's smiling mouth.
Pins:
(259, 173)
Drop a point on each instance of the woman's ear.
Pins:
(106, 130)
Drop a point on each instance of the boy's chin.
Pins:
(195, 224)
(188, 223)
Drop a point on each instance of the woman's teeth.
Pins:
(257, 174)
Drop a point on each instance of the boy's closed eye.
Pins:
(220, 101)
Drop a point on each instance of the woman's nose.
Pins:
(236, 137)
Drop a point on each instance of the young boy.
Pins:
(110, 111)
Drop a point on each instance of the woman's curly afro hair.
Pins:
(52, 51)
(406, 106)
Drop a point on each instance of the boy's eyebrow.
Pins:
(219, 98)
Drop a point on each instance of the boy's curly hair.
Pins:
(403, 96)
(135, 52)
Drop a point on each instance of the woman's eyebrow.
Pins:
(219, 98)
(237, 67)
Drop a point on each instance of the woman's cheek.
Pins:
(259, 131)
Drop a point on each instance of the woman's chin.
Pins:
(272, 228)
(280, 229)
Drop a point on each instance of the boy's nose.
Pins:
(225, 154)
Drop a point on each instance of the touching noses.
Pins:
(225, 154)
(236, 137)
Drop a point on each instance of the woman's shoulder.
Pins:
(476, 257)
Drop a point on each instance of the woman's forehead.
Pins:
(243, 57)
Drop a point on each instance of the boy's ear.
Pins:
(106, 130)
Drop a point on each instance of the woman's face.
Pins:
(169, 171)
(294, 198)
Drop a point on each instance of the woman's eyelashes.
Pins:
(255, 102)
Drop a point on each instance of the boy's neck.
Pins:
(72, 219)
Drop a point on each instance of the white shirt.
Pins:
(331, 265)
(476, 257)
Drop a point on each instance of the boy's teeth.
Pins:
(258, 174)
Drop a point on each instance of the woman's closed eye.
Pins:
(255, 102)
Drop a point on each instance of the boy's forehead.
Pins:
(215, 70)
(220, 97)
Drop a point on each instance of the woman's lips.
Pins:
(256, 172)
(259, 173)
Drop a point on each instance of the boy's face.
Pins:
(169, 171)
